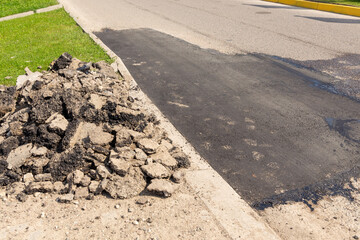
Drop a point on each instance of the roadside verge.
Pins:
(327, 7)
(49, 34)
(229, 209)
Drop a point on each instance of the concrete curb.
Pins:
(327, 7)
(48, 9)
(20, 15)
(238, 219)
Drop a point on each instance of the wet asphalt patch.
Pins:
(258, 121)
(342, 72)
(339, 185)
(349, 128)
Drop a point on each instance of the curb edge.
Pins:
(29, 13)
(326, 7)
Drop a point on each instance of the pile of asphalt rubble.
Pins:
(75, 131)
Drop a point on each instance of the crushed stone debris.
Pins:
(75, 131)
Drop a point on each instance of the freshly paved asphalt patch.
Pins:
(267, 127)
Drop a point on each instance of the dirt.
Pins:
(333, 217)
(183, 216)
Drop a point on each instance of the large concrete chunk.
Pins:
(106, 69)
(93, 186)
(18, 156)
(125, 152)
(126, 187)
(123, 138)
(44, 187)
(155, 170)
(67, 198)
(162, 187)
(119, 164)
(31, 77)
(38, 151)
(97, 136)
(140, 154)
(81, 192)
(102, 171)
(97, 100)
(15, 128)
(57, 122)
(43, 177)
(147, 145)
(165, 159)
(77, 176)
(28, 178)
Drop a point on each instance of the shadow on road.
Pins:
(272, 6)
(332, 20)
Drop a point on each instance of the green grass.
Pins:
(38, 39)
(9, 7)
(344, 2)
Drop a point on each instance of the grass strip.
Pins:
(38, 39)
(355, 3)
(10, 7)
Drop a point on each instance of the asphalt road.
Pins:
(231, 25)
(267, 124)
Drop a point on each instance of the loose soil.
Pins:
(183, 216)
